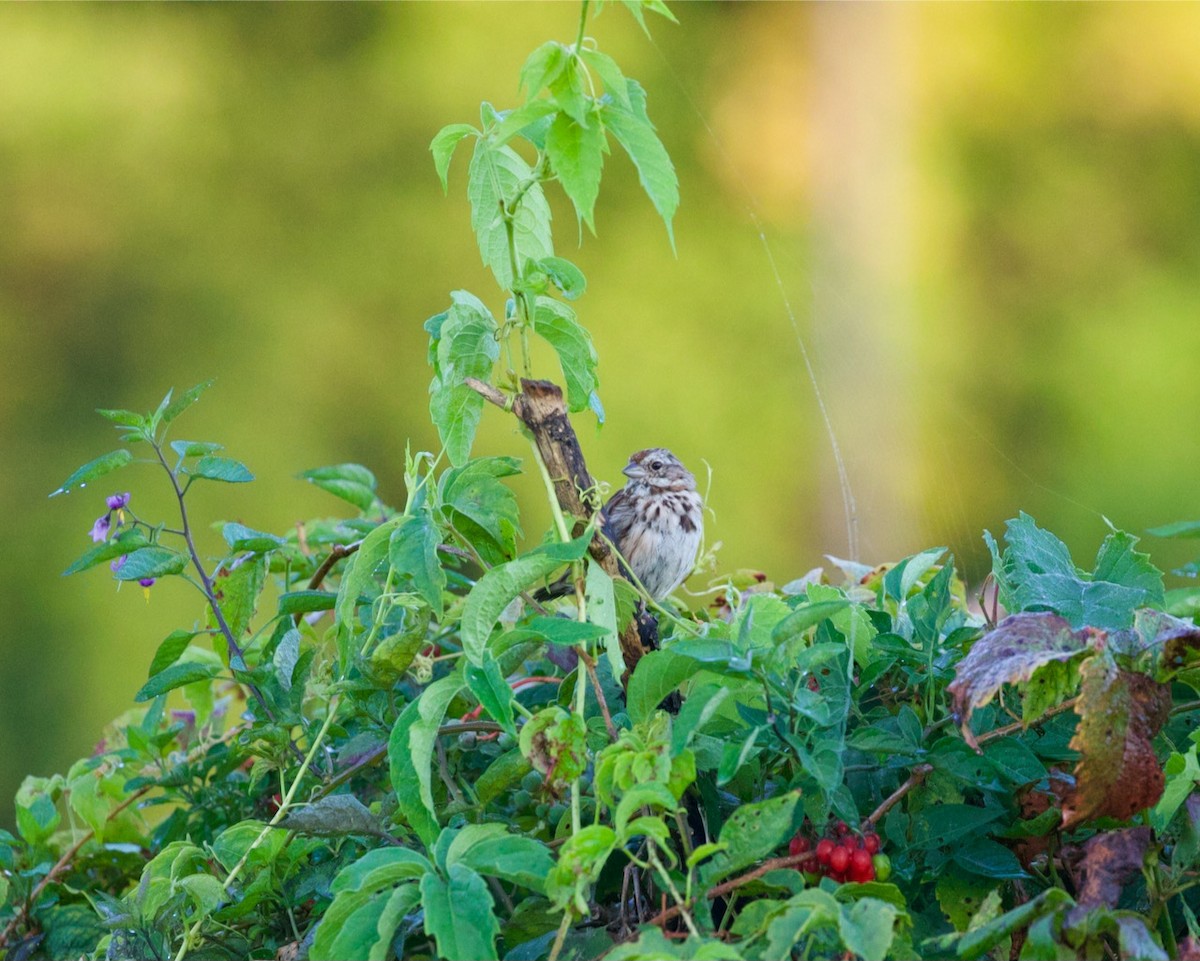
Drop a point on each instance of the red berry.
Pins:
(860, 860)
(839, 860)
(824, 850)
(841, 828)
(851, 842)
(813, 684)
(810, 865)
(872, 843)
(799, 845)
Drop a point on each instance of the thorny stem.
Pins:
(284, 806)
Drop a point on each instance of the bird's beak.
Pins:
(629, 470)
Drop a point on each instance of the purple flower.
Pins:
(146, 582)
(118, 563)
(100, 529)
(117, 501)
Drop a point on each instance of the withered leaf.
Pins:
(1009, 654)
(1109, 861)
(1120, 713)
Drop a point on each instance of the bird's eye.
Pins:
(656, 465)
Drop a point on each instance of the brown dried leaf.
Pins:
(1120, 714)
(1009, 654)
(1109, 861)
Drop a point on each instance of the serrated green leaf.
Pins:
(576, 154)
(442, 147)
(556, 324)
(543, 66)
(224, 469)
(151, 562)
(460, 915)
(750, 833)
(498, 854)
(567, 90)
(93, 469)
(867, 927)
(656, 173)
(125, 418)
(517, 121)
(615, 84)
(657, 674)
(564, 275)
(466, 347)
(494, 591)
(475, 492)
(175, 676)
(496, 175)
(412, 551)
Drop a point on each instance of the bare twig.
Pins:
(589, 663)
(918, 775)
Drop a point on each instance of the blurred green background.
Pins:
(982, 222)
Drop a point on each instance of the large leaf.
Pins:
(492, 851)
(412, 551)
(634, 131)
(576, 154)
(1120, 713)
(474, 491)
(494, 178)
(410, 754)
(151, 561)
(371, 897)
(1010, 654)
(1036, 572)
(556, 323)
(175, 676)
(750, 833)
(460, 915)
(494, 591)
(492, 690)
(657, 674)
(442, 148)
(1110, 860)
(465, 346)
(224, 469)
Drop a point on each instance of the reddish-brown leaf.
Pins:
(1009, 654)
(1120, 712)
(1109, 861)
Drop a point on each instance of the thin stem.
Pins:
(918, 775)
(665, 877)
(206, 583)
(559, 938)
(582, 24)
(284, 805)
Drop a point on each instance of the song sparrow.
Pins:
(656, 521)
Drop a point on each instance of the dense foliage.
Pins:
(375, 743)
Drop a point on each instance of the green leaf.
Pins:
(467, 347)
(125, 418)
(237, 589)
(567, 90)
(442, 148)
(564, 630)
(225, 469)
(576, 154)
(556, 324)
(615, 84)
(600, 593)
(942, 825)
(519, 120)
(206, 892)
(500, 775)
(124, 543)
(867, 927)
(412, 551)
(351, 482)
(1036, 572)
(988, 858)
(475, 492)
(410, 754)
(634, 131)
(170, 650)
(494, 591)
(564, 275)
(37, 814)
(305, 602)
(239, 537)
(1186, 529)
(285, 658)
(175, 676)
(657, 674)
(460, 914)
(750, 833)
(362, 924)
(492, 690)
(580, 861)
(543, 67)
(358, 578)
(255, 841)
(192, 448)
(151, 562)
(493, 852)
(496, 176)
(93, 469)
(183, 402)
(977, 942)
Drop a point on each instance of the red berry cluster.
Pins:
(842, 855)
